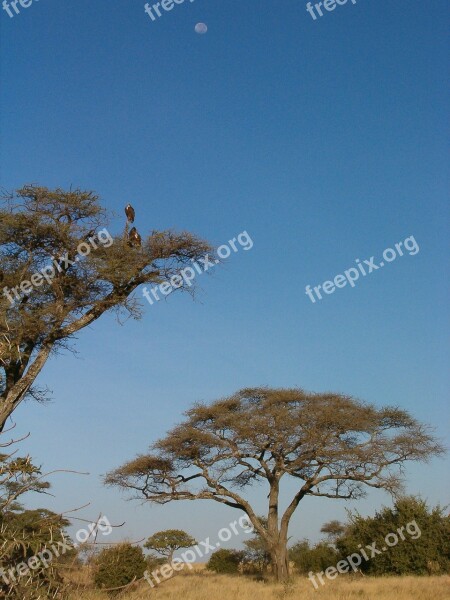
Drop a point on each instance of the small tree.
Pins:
(333, 530)
(167, 542)
(332, 446)
(225, 561)
(119, 566)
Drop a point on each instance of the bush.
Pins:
(422, 547)
(425, 550)
(23, 534)
(119, 566)
(316, 558)
(153, 561)
(225, 561)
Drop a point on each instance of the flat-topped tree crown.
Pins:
(169, 541)
(333, 445)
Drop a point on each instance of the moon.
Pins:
(201, 28)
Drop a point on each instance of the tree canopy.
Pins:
(168, 541)
(333, 445)
(61, 269)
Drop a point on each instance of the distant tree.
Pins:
(333, 530)
(119, 566)
(424, 549)
(43, 229)
(169, 541)
(225, 561)
(331, 445)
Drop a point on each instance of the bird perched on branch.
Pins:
(129, 211)
(134, 239)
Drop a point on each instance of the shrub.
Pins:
(225, 561)
(23, 534)
(153, 561)
(119, 566)
(316, 558)
(425, 550)
(419, 541)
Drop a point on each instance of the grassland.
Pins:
(204, 586)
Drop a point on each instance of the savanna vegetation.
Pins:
(328, 445)
(204, 585)
(332, 446)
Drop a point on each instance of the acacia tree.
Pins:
(332, 445)
(333, 529)
(46, 229)
(168, 541)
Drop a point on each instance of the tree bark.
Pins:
(277, 536)
(280, 562)
(16, 394)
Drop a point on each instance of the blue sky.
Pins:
(324, 140)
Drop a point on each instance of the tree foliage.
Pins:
(332, 445)
(427, 550)
(119, 566)
(25, 533)
(315, 558)
(333, 529)
(168, 541)
(39, 226)
(423, 547)
(18, 475)
(225, 561)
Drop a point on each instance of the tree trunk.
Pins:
(16, 394)
(280, 563)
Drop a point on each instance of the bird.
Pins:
(129, 211)
(134, 239)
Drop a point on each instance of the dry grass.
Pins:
(205, 586)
